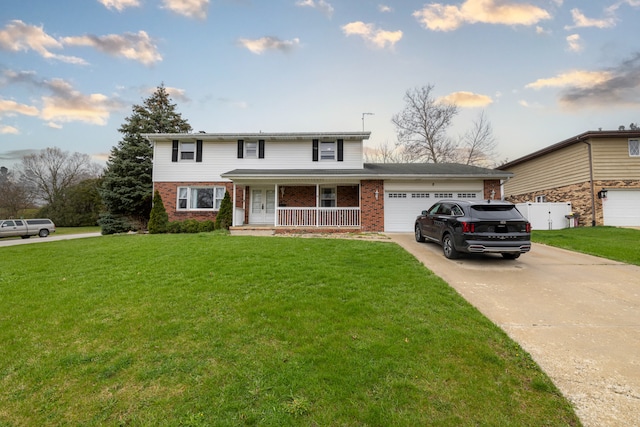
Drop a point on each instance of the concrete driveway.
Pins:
(577, 315)
(49, 238)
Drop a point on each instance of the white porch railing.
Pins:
(318, 217)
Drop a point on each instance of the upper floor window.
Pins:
(187, 151)
(634, 147)
(200, 198)
(328, 150)
(251, 149)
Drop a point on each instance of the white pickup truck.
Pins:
(26, 228)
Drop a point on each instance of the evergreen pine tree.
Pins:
(127, 186)
(158, 220)
(225, 214)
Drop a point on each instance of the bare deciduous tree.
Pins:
(478, 145)
(50, 172)
(422, 126)
(14, 196)
(387, 153)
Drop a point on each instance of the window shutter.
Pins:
(340, 150)
(315, 150)
(198, 150)
(174, 152)
(261, 148)
(240, 148)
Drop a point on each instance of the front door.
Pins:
(263, 206)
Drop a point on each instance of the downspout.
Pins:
(593, 187)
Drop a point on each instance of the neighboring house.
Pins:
(597, 171)
(304, 181)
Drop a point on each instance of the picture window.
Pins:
(200, 198)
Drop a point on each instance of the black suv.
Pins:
(475, 226)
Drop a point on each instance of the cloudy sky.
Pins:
(541, 70)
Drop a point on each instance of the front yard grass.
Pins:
(618, 244)
(208, 329)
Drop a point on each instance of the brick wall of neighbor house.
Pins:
(372, 210)
(492, 185)
(169, 193)
(579, 195)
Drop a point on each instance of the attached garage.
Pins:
(403, 202)
(621, 208)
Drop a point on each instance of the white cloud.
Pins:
(119, 5)
(575, 43)
(576, 78)
(440, 17)
(189, 8)
(139, 47)
(11, 108)
(384, 8)
(259, 46)
(581, 21)
(467, 99)
(321, 5)
(375, 36)
(69, 105)
(8, 130)
(18, 36)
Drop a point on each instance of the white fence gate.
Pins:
(547, 216)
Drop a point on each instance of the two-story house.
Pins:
(311, 181)
(597, 171)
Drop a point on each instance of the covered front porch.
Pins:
(319, 205)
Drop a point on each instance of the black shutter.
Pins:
(261, 148)
(174, 153)
(315, 150)
(198, 150)
(240, 148)
(340, 150)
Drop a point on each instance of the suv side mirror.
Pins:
(424, 213)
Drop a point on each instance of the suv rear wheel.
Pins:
(448, 248)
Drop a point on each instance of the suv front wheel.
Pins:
(419, 236)
(448, 248)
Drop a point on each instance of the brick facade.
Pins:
(169, 194)
(580, 197)
(492, 189)
(372, 206)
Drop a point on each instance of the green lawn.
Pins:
(208, 329)
(76, 230)
(620, 244)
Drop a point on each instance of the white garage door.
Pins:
(402, 207)
(622, 208)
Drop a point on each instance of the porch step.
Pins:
(252, 231)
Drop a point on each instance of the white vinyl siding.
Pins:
(220, 157)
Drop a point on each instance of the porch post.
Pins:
(317, 205)
(277, 206)
(233, 218)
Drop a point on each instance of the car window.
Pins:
(496, 212)
(445, 209)
(456, 210)
(19, 223)
(434, 209)
(7, 224)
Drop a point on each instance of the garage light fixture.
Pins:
(602, 194)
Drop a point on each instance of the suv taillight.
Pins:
(468, 227)
(528, 227)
